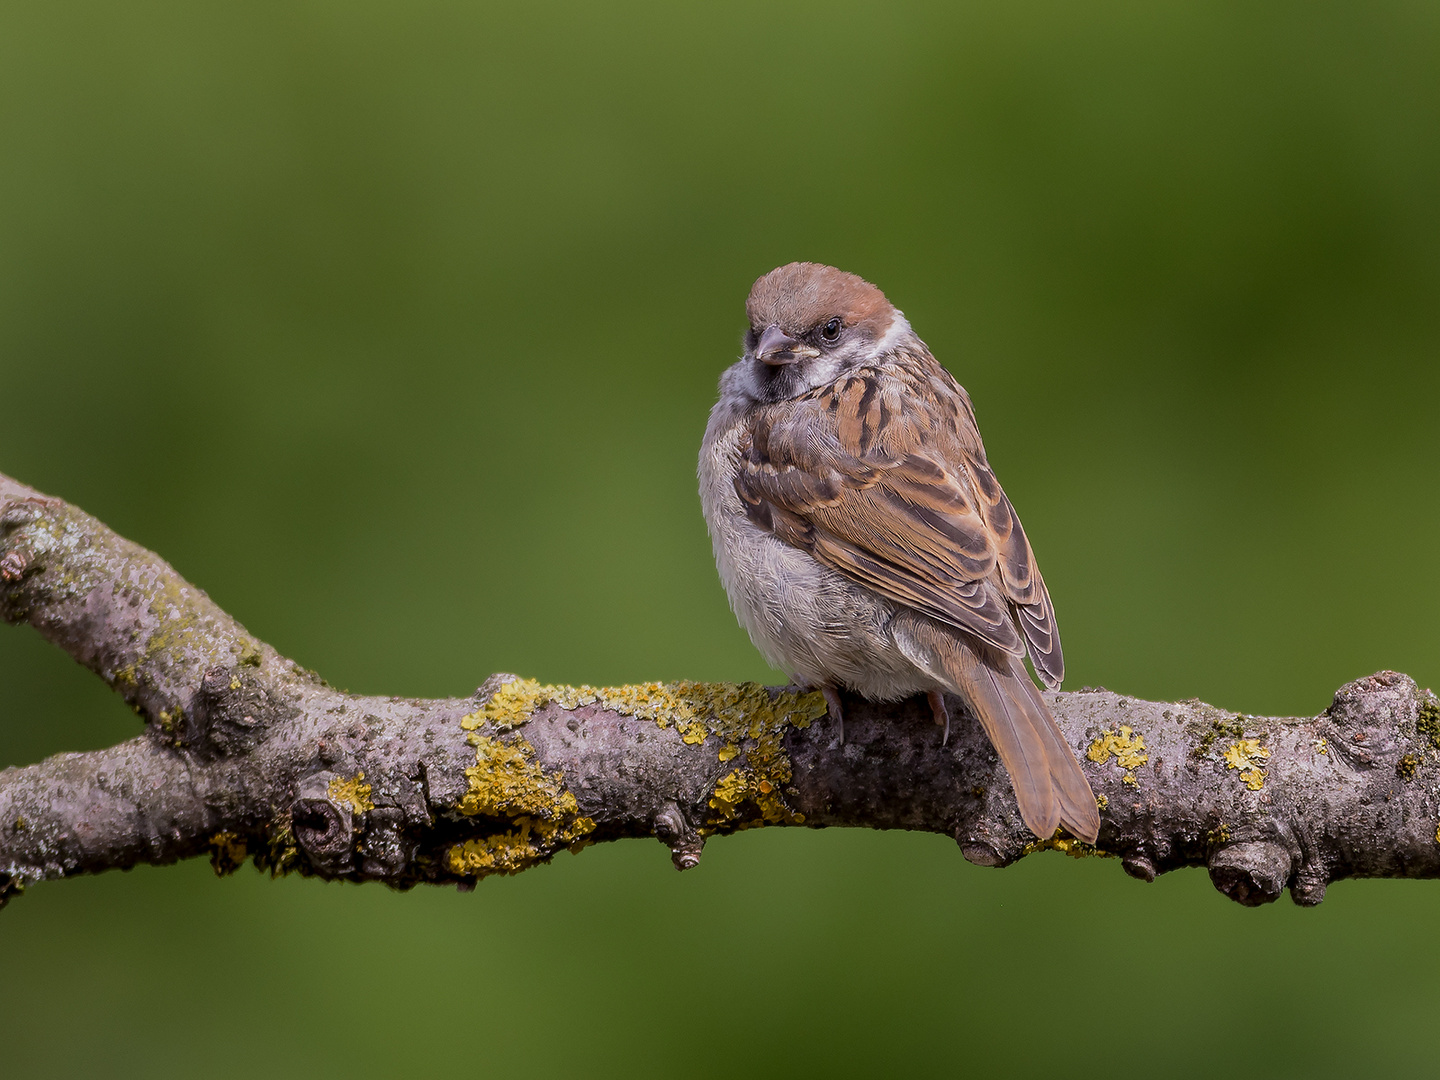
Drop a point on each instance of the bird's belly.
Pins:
(806, 619)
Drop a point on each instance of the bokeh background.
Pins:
(395, 328)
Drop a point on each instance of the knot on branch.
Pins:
(675, 832)
(1251, 872)
(16, 556)
(387, 849)
(335, 823)
(1370, 717)
(1308, 888)
(19, 512)
(231, 711)
(1139, 867)
(323, 818)
(12, 565)
(984, 846)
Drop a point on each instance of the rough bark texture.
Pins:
(247, 755)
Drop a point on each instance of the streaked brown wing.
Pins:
(1020, 574)
(889, 485)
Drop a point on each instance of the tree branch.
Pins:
(247, 755)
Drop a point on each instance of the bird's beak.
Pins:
(778, 348)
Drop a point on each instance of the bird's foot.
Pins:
(942, 713)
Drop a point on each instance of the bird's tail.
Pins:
(1049, 784)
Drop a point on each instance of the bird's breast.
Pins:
(806, 619)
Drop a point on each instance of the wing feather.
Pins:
(882, 476)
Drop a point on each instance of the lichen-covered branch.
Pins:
(248, 756)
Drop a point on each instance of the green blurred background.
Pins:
(395, 328)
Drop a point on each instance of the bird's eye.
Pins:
(831, 330)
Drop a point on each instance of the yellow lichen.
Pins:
(757, 784)
(175, 631)
(1068, 845)
(1126, 747)
(1321, 745)
(730, 792)
(507, 783)
(733, 711)
(351, 792)
(740, 716)
(503, 854)
(1129, 780)
(748, 714)
(508, 852)
(1218, 835)
(281, 853)
(172, 725)
(509, 706)
(1101, 801)
(227, 852)
(1220, 726)
(1246, 755)
(1428, 720)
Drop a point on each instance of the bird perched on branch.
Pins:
(863, 539)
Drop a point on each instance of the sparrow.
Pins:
(863, 539)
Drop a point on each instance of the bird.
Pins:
(863, 539)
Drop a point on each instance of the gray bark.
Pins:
(247, 756)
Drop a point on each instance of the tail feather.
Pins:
(1078, 812)
(1006, 720)
(1049, 784)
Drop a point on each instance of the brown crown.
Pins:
(802, 295)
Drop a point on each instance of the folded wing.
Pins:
(882, 477)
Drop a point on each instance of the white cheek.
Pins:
(824, 369)
(899, 327)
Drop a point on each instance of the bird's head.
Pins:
(809, 324)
